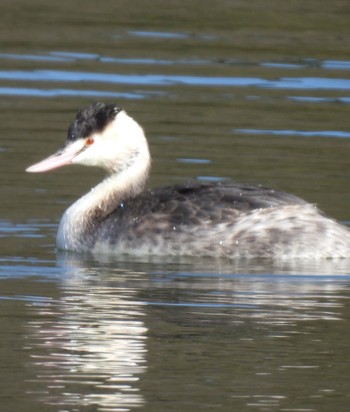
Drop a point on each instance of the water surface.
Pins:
(254, 92)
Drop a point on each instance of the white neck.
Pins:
(80, 221)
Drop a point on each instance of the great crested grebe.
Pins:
(231, 220)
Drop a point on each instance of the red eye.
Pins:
(89, 141)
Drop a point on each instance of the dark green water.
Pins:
(254, 91)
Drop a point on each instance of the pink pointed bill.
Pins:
(61, 158)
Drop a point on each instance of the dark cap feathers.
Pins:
(92, 119)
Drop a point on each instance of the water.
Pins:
(254, 92)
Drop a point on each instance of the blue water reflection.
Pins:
(159, 34)
(310, 99)
(26, 91)
(303, 133)
(304, 83)
(69, 56)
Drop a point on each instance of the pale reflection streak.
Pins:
(89, 346)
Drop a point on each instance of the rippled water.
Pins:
(254, 92)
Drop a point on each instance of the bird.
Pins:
(219, 220)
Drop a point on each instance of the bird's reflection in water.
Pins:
(89, 345)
